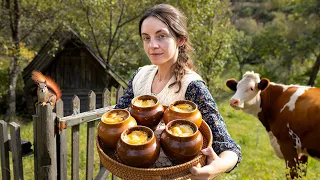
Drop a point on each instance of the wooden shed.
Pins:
(74, 66)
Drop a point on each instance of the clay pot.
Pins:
(138, 155)
(171, 113)
(109, 132)
(180, 149)
(149, 116)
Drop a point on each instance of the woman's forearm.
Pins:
(229, 159)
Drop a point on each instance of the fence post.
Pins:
(106, 98)
(45, 143)
(35, 119)
(106, 101)
(90, 137)
(15, 146)
(61, 145)
(4, 151)
(75, 139)
(119, 93)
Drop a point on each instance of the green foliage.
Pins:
(248, 25)
(3, 76)
(247, 11)
(284, 46)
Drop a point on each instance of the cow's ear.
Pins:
(263, 84)
(232, 84)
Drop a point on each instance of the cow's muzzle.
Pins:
(235, 103)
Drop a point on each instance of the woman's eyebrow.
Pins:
(161, 30)
(157, 32)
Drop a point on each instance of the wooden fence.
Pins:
(14, 145)
(50, 140)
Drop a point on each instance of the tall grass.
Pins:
(259, 161)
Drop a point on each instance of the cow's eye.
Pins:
(251, 88)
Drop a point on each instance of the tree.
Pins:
(14, 13)
(243, 51)
(308, 12)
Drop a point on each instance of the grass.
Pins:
(259, 161)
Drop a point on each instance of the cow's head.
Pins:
(247, 90)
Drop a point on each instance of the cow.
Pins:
(289, 113)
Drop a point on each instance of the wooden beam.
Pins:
(15, 146)
(61, 145)
(4, 151)
(77, 119)
(46, 143)
(75, 140)
(90, 137)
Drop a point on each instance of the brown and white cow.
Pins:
(290, 114)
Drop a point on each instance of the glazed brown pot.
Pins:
(171, 114)
(110, 133)
(181, 149)
(147, 116)
(138, 155)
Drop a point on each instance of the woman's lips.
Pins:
(155, 54)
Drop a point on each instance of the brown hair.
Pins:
(177, 24)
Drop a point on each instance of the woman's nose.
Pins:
(154, 43)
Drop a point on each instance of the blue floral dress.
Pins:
(199, 93)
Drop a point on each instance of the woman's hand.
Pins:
(215, 165)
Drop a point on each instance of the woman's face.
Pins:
(159, 45)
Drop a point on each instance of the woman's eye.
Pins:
(145, 38)
(161, 36)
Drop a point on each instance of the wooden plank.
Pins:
(83, 72)
(106, 98)
(77, 119)
(119, 93)
(90, 137)
(75, 141)
(75, 152)
(4, 151)
(61, 145)
(35, 119)
(15, 147)
(63, 155)
(46, 142)
(103, 174)
(106, 101)
(75, 105)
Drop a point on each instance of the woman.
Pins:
(163, 30)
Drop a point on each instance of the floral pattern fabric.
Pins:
(199, 93)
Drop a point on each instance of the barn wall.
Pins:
(76, 68)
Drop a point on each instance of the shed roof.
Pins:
(54, 46)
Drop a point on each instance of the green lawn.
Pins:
(259, 160)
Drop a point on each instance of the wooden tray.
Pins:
(163, 167)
